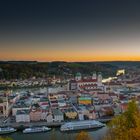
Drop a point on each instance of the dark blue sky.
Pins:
(51, 14)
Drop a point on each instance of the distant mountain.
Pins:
(122, 64)
(18, 62)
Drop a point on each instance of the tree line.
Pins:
(25, 70)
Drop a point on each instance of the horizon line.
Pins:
(69, 61)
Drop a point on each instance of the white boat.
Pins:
(7, 130)
(36, 129)
(79, 125)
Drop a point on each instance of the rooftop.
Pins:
(22, 112)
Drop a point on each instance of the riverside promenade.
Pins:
(23, 125)
(31, 124)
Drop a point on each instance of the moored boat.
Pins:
(36, 129)
(79, 125)
(7, 130)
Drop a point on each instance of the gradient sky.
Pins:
(70, 30)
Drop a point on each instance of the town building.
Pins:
(57, 115)
(22, 116)
(35, 114)
(49, 118)
(19, 107)
(4, 107)
(70, 114)
(92, 83)
(84, 100)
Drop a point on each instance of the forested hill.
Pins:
(27, 69)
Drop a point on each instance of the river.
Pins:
(55, 134)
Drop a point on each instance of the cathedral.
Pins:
(91, 83)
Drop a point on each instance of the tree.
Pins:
(83, 136)
(125, 126)
(7, 138)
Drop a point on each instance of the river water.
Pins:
(55, 134)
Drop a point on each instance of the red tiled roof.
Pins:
(133, 82)
(112, 94)
(44, 103)
(86, 86)
(87, 80)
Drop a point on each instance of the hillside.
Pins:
(27, 69)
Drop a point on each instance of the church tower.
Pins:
(99, 78)
(78, 77)
(94, 76)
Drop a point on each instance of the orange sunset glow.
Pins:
(97, 50)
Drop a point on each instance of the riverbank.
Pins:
(23, 125)
(56, 134)
(17, 87)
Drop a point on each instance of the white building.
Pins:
(19, 108)
(5, 107)
(49, 118)
(92, 83)
(81, 116)
(58, 115)
(22, 116)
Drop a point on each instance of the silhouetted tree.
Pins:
(126, 126)
(83, 136)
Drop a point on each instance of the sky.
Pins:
(70, 30)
